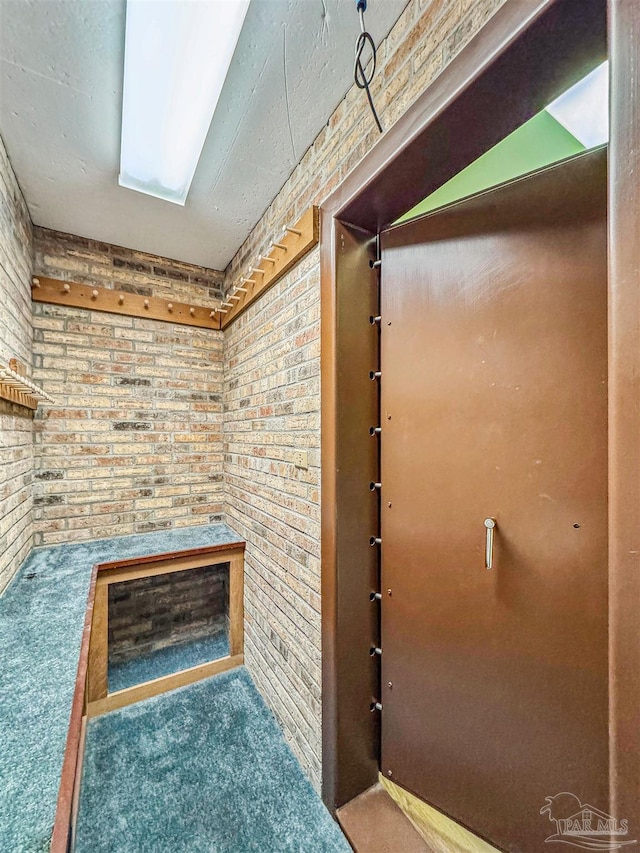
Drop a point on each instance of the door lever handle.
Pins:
(490, 525)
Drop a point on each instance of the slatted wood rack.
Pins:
(16, 388)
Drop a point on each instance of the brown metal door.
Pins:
(494, 405)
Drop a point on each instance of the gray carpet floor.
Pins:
(203, 768)
(165, 661)
(42, 614)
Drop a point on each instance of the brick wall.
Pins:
(425, 38)
(135, 440)
(272, 386)
(272, 408)
(167, 610)
(16, 423)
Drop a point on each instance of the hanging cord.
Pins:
(363, 81)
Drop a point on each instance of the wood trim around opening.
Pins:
(70, 774)
(99, 700)
(139, 692)
(91, 698)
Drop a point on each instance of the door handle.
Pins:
(490, 525)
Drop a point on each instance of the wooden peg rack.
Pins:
(284, 254)
(294, 245)
(16, 388)
(93, 298)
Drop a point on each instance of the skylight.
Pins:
(576, 121)
(177, 55)
(584, 108)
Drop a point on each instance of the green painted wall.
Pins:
(538, 143)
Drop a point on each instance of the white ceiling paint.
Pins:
(60, 105)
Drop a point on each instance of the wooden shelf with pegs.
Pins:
(92, 298)
(16, 388)
(284, 254)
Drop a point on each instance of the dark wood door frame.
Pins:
(527, 53)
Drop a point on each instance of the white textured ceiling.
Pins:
(60, 104)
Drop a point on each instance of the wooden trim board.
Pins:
(295, 244)
(239, 545)
(114, 573)
(71, 764)
(441, 833)
(75, 804)
(236, 604)
(93, 298)
(139, 692)
(97, 683)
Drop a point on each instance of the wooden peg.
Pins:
(255, 269)
(121, 299)
(212, 314)
(170, 306)
(295, 231)
(221, 311)
(94, 294)
(36, 282)
(266, 258)
(280, 246)
(226, 304)
(233, 296)
(246, 280)
(192, 311)
(17, 366)
(146, 303)
(66, 288)
(240, 289)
